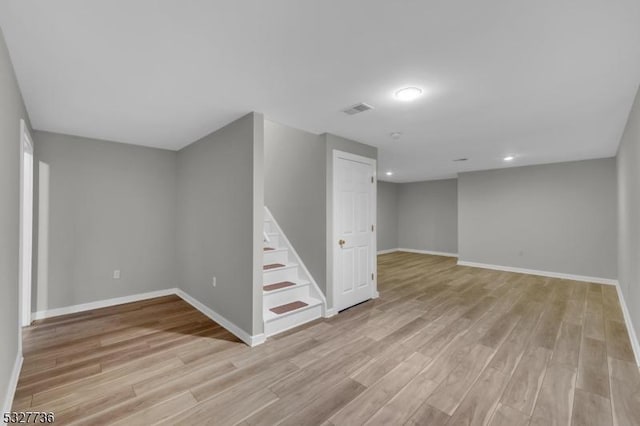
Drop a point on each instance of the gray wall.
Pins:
(555, 217)
(387, 215)
(217, 217)
(165, 219)
(628, 162)
(428, 216)
(112, 206)
(11, 111)
(295, 169)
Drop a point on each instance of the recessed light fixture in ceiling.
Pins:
(389, 173)
(461, 159)
(395, 135)
(509, 158)
(407, 94)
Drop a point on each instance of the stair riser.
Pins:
(268, 227)
(286, 295)
(274, 241)
(292, 320)
(275, 257)
(270, 277)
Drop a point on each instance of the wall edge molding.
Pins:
(431, 252)
(561, 275)
(100, 304)
(393, 250)
(13, 383)
(633, 337)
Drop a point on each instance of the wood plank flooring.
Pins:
(443, 345)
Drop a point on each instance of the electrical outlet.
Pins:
(213, 281)
(116, 274)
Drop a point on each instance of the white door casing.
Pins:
(354, 230)
(26, 223)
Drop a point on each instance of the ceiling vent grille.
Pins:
(357, 108)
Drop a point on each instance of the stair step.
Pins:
(273, 266)
(303, 305)
(275, 249)
(276, 286)
(283, 309)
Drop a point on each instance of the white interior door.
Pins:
(354, 221)
(26, 222)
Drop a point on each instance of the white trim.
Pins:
(225, 323)
(560, 275)
(257, 339)
(334, 232)
(330, 312)
(25, 247)
(431, 252)
(393, 250)
(13, 383)
(633, 337)
(101, 304)
(357, 158)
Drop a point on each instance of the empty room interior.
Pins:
(320, 213)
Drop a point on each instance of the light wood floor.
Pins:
(443, 345)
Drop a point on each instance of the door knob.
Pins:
(341, 242)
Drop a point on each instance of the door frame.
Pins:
(334, 232)
(26, 245)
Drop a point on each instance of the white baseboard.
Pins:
(433, 253)
(100, 304)
(560, 275)
(330, 312)
(393, 250)
(251, 340)
(230, 326)
(257, 339)
(13, 383)
(633, 337)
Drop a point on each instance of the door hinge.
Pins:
(372, 228)
(371, 179)
(371, 277)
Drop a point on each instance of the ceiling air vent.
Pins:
(357, 108)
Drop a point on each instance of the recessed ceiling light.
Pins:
(389, 173)
(408, 93)
(509, 158)
(395, 135)
(461, 159)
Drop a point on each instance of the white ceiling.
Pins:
(545, 80)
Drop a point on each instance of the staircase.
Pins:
(290, 295)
